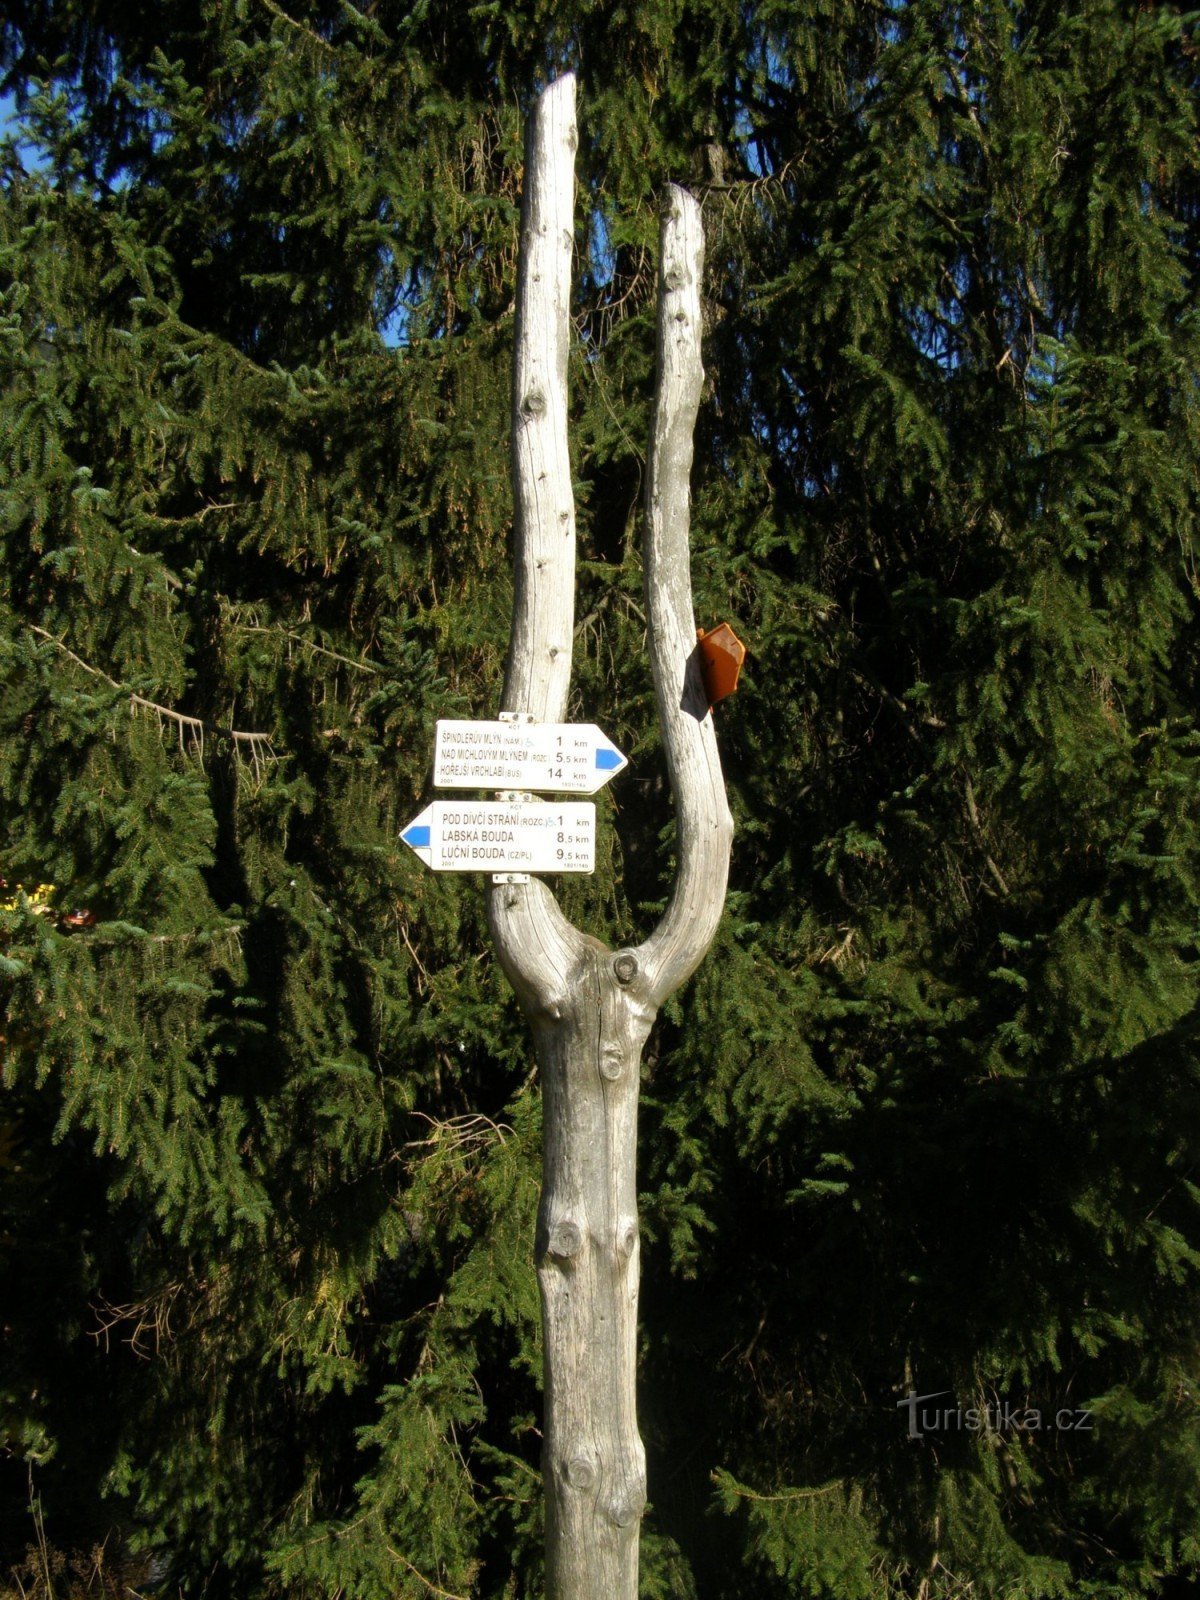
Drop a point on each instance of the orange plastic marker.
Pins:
(721, 657)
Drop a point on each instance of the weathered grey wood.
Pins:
(536, 944)
(539, 667)
(591, 1010)
(704, 827)
(594, 1466)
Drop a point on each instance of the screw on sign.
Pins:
(721, 657)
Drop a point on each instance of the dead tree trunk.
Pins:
(590, 1009)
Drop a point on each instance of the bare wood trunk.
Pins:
(704, 827)
(588, 1261)
(590, 1009)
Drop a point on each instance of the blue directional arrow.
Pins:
(418, 836)
(607, 759)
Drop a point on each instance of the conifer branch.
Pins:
(741, 1492)
(976, 823)
(635, 449)
(150, 1318)
(192, 516)
(278, 11)
(165, 573)
(191, 727)
(469, 1128)
(444, 1594)
(318, 649)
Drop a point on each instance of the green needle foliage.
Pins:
(927, 1121)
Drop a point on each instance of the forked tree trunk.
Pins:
(590, 1009)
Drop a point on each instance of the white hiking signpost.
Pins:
(518, 835)
(558, 757)
(590, 1008)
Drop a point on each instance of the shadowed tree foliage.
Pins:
(928, 1119)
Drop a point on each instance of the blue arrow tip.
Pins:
(607, 759)
(417, 836)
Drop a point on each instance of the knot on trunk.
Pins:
(565, 1240)
(626, 1507)
(533, 404)
(579, 1472)
(625, 966)
(612, 1062)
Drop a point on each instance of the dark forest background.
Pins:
(927, 1120)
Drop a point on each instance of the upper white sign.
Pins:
(555, 757)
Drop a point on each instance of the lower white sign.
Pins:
(505, 836)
